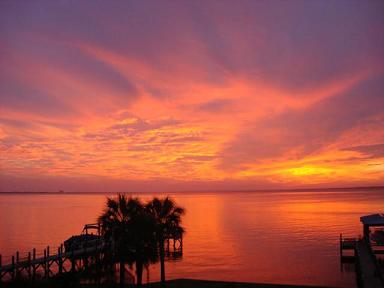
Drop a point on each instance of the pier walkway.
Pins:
(32, 265)
(367, 269)
(91, 254)
(369, 272)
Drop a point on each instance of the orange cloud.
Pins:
(240, 102)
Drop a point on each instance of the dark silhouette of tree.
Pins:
(167, 216)
(130, 229)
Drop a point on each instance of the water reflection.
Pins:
(260, 237)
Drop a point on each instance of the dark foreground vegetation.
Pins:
(138, 231)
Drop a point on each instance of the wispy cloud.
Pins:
(371, 151)
(209, 94)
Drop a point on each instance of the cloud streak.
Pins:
(193, 94)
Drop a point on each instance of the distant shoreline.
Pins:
(335, 189)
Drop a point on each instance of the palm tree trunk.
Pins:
(139, 273)
(122, 273)
(162, 264)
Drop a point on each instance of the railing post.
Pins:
(33, 264)
(85, 259)
(17, 264)
(29, 266)
(73, 262)
(341, 245)
(45, 264)
(13, 268)
(168, 246)
(48, 268)
(60, 260)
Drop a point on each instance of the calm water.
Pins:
(287, 237)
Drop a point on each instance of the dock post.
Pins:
(73, 262)
(0, 261)
(29, 266)
(168, 246)
(60, 260)
(17, 264)
(341, 245)
(13, 268)
(85, 259)
(33, 263)
(62, 254)
(45, 263)
(48, 268)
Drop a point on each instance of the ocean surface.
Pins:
(274, 237)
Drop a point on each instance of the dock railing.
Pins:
(44, 262)
(347, 243)
(32, 264)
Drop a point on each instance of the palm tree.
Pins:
(168, 222)
(128, 226)
(143, 239)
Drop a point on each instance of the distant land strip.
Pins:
(334, 189)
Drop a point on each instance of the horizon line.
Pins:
(320, 189)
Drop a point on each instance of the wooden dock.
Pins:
(367, 269)
(369, 272)
(49, 265)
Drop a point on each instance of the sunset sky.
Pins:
(190, 95)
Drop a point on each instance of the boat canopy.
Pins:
(373, 220)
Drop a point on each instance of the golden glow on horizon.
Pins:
(307, 171)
